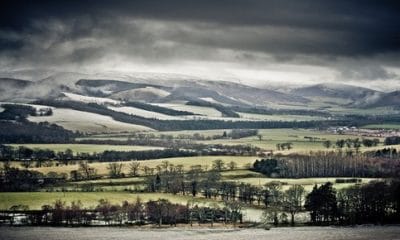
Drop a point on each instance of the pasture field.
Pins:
(35, 200)
(307, 183)
(144, 113)
(87, 99)
(206, 111)
(238, 176)
(88, 199)
(269, 139)
(87, 122)
(186, 162)
(87, 148)
(279, 117)
(279, 134)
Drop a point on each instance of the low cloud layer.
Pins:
(254, 41)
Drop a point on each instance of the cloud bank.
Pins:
(254, 41)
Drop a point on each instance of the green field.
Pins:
(35, 200)
(238, 176)
(279, 117)
(307, 183)
(186, 162)
(89, 199)
(271, 137)
(87, 148)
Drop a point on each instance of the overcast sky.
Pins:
(256, 42)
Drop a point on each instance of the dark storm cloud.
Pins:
(321, 32)
(350, 27)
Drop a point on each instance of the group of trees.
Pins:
(283, 146)
(15, 128)
(15, 179)
(158, 212)
(375, 202)
(29, 132)
(45, 157)
(20, 112)
(159, 109)
(270, 111)
(355, 143)
(200, 148)
(225, 111)
(392, 140)
(384, 153)
(29, 155)
(199, 181)
(328, 164)
(240, 133)
(208, 184)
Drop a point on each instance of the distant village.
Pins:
(364, 132)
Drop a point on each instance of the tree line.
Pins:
(20, 112)
(159, 109)
(355, 143)
(180, 141)
(39, 156)
(375, 202)
(13, 179)
(328, 164)
(29, 132)
(22, 153)
(225, 111)
(392, 140)
(157, 212)
(270, 111)
(384, 153)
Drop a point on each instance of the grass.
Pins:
(145, 113)
(115, 194)
(187, 162)
(308, 183)
(206, 111)
(89, 199)
(35, 200)
(271, 137)
(279, 117)
(87, 148)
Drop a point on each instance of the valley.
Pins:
(199, 142)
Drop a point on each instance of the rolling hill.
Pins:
(342, 91)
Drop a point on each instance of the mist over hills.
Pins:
(167, 88)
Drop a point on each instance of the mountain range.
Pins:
(153, 88)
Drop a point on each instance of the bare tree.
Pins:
(87, 171)
(327, 143)
(134, 167)
(293, 200)
(218, 165)
(232, 165)
(115, 169)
